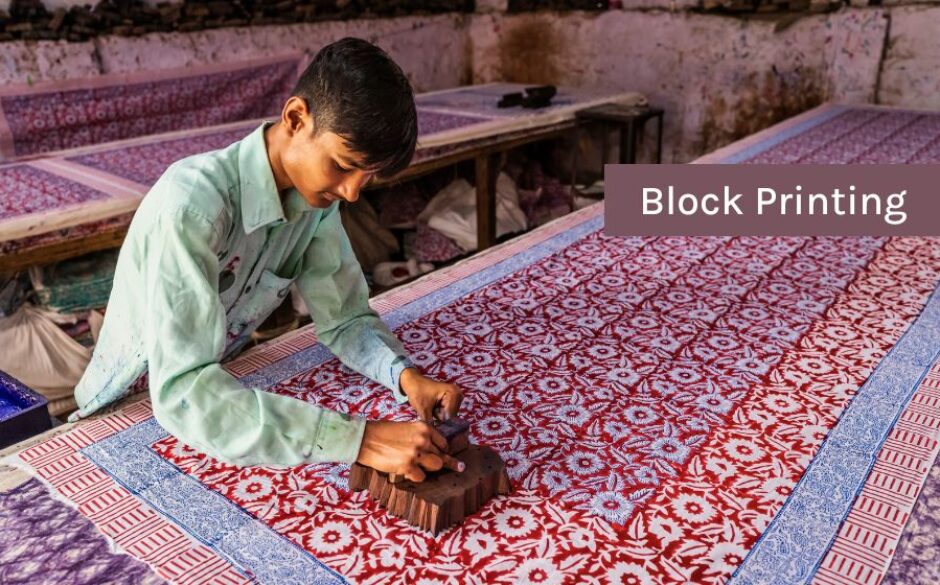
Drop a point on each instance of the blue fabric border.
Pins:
(253, 548)
(798, 538)
(316, 355)
(776, 139)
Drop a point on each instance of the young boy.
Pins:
(213, 250)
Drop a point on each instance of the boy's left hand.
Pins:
(426, 395)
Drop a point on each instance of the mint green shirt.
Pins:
(211, 252)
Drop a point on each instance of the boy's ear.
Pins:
(295, 115)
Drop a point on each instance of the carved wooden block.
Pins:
(457, 433)
(445, 498)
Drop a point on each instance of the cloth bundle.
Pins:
(40, 354)
(75, 285)
(453, 211)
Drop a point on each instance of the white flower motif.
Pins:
(692, 508)
(354, 392)
(555, 481)
(667, 530)
(582, 538)
(305, 504)
(644, 322)
(617, 430)
(703, 314)
(777, 489)
(664, 387)
(752, 366)
(640, 415)
(478, 359)
(762, 417)
(517, 464)
(781, 403)
(545, 350)
(669, 448)
(625, 376)
(684, 375)
(814, 366)
(479, 329)
(492, 426)
(583, 462)
(538, 572)
(722, 342)
(810, 306)
(813, 434)
(452, 370)
(573, 303)
(414, 335)
(719, 467)
(530, 329)
(329, 538)
(480, 544)
(553, 384)
(590, 322)
(714, 403)
(629, 574)
(725, 557)
(491, 384)
(612, 506)
(783, 333)
(515, 522)
(392, 556)
(743, 450)
(572, 414)
(665, 343)
(601, 351)
(253, 488)
(630, 297)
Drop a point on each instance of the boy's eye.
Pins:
(340, 168)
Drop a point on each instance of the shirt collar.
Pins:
(260, 200)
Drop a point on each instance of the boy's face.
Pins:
(321, 166)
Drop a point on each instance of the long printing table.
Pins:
(671, 410)
(80, 200)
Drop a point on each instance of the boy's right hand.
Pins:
(405, 448)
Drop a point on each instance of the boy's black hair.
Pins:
(355, 90)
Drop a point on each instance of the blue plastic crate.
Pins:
(23, 413)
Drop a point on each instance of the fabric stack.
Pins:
(49, 340)
(76, 285)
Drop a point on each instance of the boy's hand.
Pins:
(426, 395)
(405, 448)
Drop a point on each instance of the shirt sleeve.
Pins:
(193, 397)
(335, 291)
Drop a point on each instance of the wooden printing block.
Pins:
(457, 433)
(445, 498)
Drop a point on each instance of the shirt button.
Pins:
(226, 280)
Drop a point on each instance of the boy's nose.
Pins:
(350, 188)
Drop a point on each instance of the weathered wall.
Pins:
(910, 73)
(718, 78)
(433, 50)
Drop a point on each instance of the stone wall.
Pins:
(433, 50)
(719, 77)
